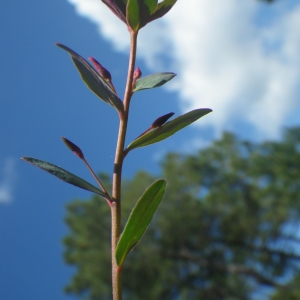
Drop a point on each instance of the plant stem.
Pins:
(116, 188)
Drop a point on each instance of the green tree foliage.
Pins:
(226, 229)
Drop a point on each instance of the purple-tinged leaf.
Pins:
(118, 7)
(162, 120)
(104, 73)
(74, 148)
(94, 81)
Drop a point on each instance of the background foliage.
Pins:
(226, 229)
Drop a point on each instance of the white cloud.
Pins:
(231, 56)
(7, 179)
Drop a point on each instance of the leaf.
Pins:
(162, 8)
(94, 81)
(153, 81)
(147, 8)
(139, 219)
(168, 129)
(151, 5)
(133, 14)
(162, 120)
(64, 175)
(74, 148)
(118, 7)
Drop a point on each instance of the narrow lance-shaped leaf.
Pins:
(168, 129)
(153, 81)
(94, 81)
(64, 175)
(139, 219)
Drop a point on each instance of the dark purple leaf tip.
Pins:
(104, 73)
(162, 120)
(118, 7)
(74, 148)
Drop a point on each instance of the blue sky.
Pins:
(240, 58)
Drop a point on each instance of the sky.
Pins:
(239, 58)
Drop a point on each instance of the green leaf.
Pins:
(151, 5)
(147, 8)
(153, 81)
(63, 175)
(168, 129)
(133, 14)
(139, 219)
(94, 81)
(162, 8)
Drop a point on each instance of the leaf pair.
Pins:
(140, 219)
(141, 12)
(137, 13)
(147, 205)
(99, 85)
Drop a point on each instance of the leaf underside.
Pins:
(168, 129)
(153, 81)
(63, 175)
(140, 219)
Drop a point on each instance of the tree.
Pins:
(226, 228)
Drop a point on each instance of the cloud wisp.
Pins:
(7, 180)
(239, 58)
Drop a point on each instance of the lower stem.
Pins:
(116, 272)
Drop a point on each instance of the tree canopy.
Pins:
(227, 227)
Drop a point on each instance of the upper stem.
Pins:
(117, 176)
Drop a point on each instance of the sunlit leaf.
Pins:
(93, 80)
(139, 219)
(153, 81)
(133, 14)
(64, 175)
(168, 129)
